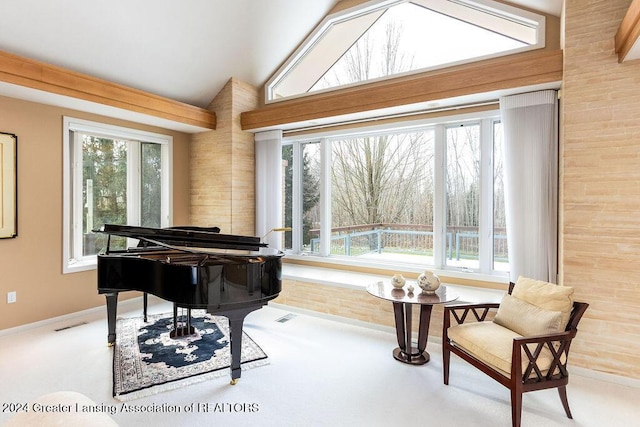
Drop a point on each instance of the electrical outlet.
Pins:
(11, 297)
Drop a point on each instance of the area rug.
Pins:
(146, 360)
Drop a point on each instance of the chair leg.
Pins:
(562, 391)
(516, 407)
(446, 356)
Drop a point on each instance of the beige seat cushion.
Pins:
(527, 319)
(492, 344)
(67, 415)
(548, 296)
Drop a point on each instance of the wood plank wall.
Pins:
(600, 187)
(222, 165)
(353, 304)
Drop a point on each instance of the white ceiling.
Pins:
(184, 50)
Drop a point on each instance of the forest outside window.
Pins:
(429, 196)
(112, 175)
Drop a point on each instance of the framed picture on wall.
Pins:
(8, 185)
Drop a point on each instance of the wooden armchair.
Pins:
(491, 346)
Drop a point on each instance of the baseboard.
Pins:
(126, 304)
(604, 376)
(333, 317)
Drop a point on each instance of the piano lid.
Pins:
(190, 236)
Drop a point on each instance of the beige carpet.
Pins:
(321, 373)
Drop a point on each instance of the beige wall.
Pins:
(31, 264)
(600, 220)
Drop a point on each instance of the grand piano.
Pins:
(195, 268)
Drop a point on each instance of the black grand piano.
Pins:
(195, 268)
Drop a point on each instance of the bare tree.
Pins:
(376, 179)
(374, 55)
(463, 176)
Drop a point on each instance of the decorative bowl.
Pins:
(428, 282)
(398, 281)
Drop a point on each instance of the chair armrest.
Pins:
(460, 312)
(533, 339)
(532, 347)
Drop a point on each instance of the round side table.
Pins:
(403, 301)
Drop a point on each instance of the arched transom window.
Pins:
(379, 39)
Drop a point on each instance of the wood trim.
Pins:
(39, 75)
(629, 31)
(524, 69)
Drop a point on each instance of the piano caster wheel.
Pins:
(234, 381)
(110, 344)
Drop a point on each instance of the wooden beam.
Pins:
(629, 31)
(524, 69)
(38, 75)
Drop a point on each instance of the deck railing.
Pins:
(351, 242)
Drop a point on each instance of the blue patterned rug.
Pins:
(147, 361)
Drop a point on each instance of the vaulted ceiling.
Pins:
(185, 51)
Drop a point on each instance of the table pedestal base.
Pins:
(405, 352)
(415, 358)
(403, 301)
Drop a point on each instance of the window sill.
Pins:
(388, 269)
(341, 278)
(78, 266)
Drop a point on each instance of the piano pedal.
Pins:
(182, 331)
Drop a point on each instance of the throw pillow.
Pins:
(548, 296)
(527, 319)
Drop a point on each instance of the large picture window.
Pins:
(429, 196)
(112, 175)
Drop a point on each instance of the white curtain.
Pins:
(530, 124)
(268, 151)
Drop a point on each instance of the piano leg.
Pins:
(236, 320)
(112, 308)
(145, 304)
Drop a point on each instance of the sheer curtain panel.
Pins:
(269, 186)
(530, 124)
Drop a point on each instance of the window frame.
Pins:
(509, 12)
(486, 120)
(72, 259)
